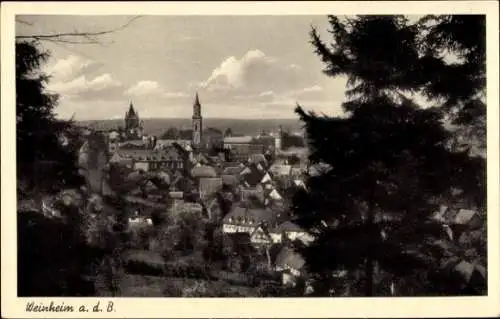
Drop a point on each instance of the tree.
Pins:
(41, 151)
(389, 165)
(289, 140)
(46, 146)
(171, 134)
(47, 157)
(228, 132)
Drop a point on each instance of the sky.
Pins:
(241, 66)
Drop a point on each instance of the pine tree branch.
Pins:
(24, 22)
(60, 37)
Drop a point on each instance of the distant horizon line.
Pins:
(189, 118)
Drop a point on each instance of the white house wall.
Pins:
(229, 229)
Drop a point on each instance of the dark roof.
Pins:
(254, 177)
(243, 215)
(287, 226)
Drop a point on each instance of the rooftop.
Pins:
(238, 140)
(203, 171)
(287, 226)
(243, 215)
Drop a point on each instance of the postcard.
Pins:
(250, 159)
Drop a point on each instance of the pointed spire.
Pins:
(196, 106)
(131, 109)
(196, 99)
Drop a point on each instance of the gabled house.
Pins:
(274, 195)
(291, 231)
(261, 237)
(148, 160)
(246, 220)
(266, 178)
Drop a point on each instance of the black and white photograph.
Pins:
(250, 156)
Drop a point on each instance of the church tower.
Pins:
(131, 119)
(278, 141)
(197, 123)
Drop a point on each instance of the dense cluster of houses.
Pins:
(249, 172)
(256, 179)
(257, 187)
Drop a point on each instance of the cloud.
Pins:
(142, 88)
(253, 73)
(99, 87)
(71, 67)
(152, 89)
(74, 78)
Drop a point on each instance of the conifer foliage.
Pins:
(46, 154)
(389, 164)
